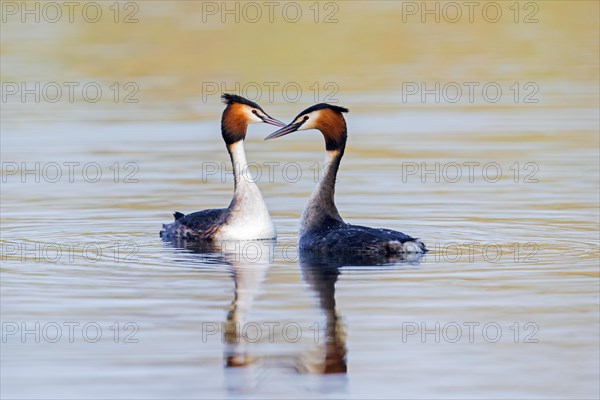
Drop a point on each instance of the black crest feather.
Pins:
(229, 99)
(322, 106)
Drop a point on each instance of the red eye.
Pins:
(255, 112)
(306, 118)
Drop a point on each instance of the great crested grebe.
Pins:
(322, 230)
(247, 216)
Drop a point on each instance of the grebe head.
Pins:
(238, 114)
(325, 117)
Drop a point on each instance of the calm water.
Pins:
(504, 194)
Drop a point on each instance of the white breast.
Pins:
(249, 217)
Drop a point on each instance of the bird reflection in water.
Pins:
(330, 356)
(321, 274)
(249, 263)
(248, 279)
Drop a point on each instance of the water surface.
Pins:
(504, 194)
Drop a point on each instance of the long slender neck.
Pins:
(321, 204)
(241, 174)
(247, 199)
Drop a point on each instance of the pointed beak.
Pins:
(284, 131)
(267, 119)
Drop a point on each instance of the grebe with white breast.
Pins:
(247, 217)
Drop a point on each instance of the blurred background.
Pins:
(473, 125)
(176, 51)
